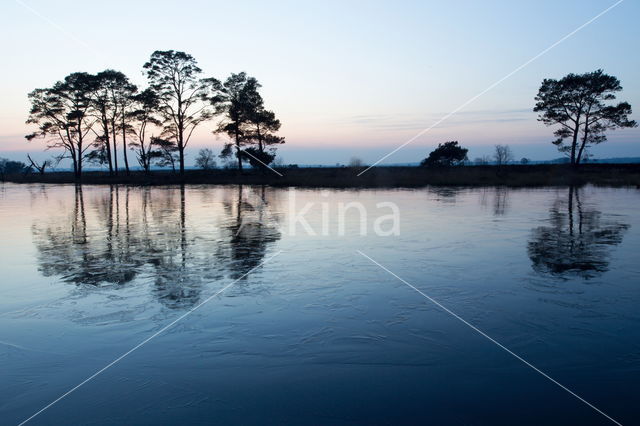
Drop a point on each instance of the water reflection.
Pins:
(498, 197)
(66, 250)
(249, 233)
(126, 233)
(313, 327)
(445, 194)
(578, 241)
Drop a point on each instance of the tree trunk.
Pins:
(579, 157)
(584, 140)
(107, 143)
(238, 151)
(259, 139)
(79, 152)
(124, 146)
(75, 164)
(108, 149)
(79, 162)
(181, 149)
(181, 134)
(115, 148)
(145, 158)
(574, 142)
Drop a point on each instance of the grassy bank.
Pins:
(344, 177)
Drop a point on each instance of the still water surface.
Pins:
(318, 333)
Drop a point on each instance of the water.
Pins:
(311, 331)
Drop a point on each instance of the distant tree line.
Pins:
(10, 167)
(92, 117)
(450, 154)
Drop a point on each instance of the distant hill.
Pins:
(620, 160)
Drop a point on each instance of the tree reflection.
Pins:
(445, 194)
(250, 232)
(176, 283)
(128, 233)
(577, 243)
(66, 248)
(499, 199)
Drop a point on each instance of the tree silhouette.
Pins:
(62, 114)
(186, 100)
(164, 153)
(263, 128)
(40, 167)
(239, 92)
(502, 155)
(8, 167)
(145, 106)
(446, 155)
(577, 242)
(112, 98)
(104, 112)
(206, 159)
(577, 103)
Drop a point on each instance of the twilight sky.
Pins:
(346, 78)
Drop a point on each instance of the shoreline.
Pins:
(377, 177)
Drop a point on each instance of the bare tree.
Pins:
(355, 162)
(40, 167)
(503, 155)
(482, 161)
(206, 159)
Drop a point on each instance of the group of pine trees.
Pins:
(100, 117)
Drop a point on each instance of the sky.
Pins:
(346, 78)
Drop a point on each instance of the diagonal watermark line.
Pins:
(266, 165)
(145, 341)
(59, 28)
(470, 100)
(482, 333)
